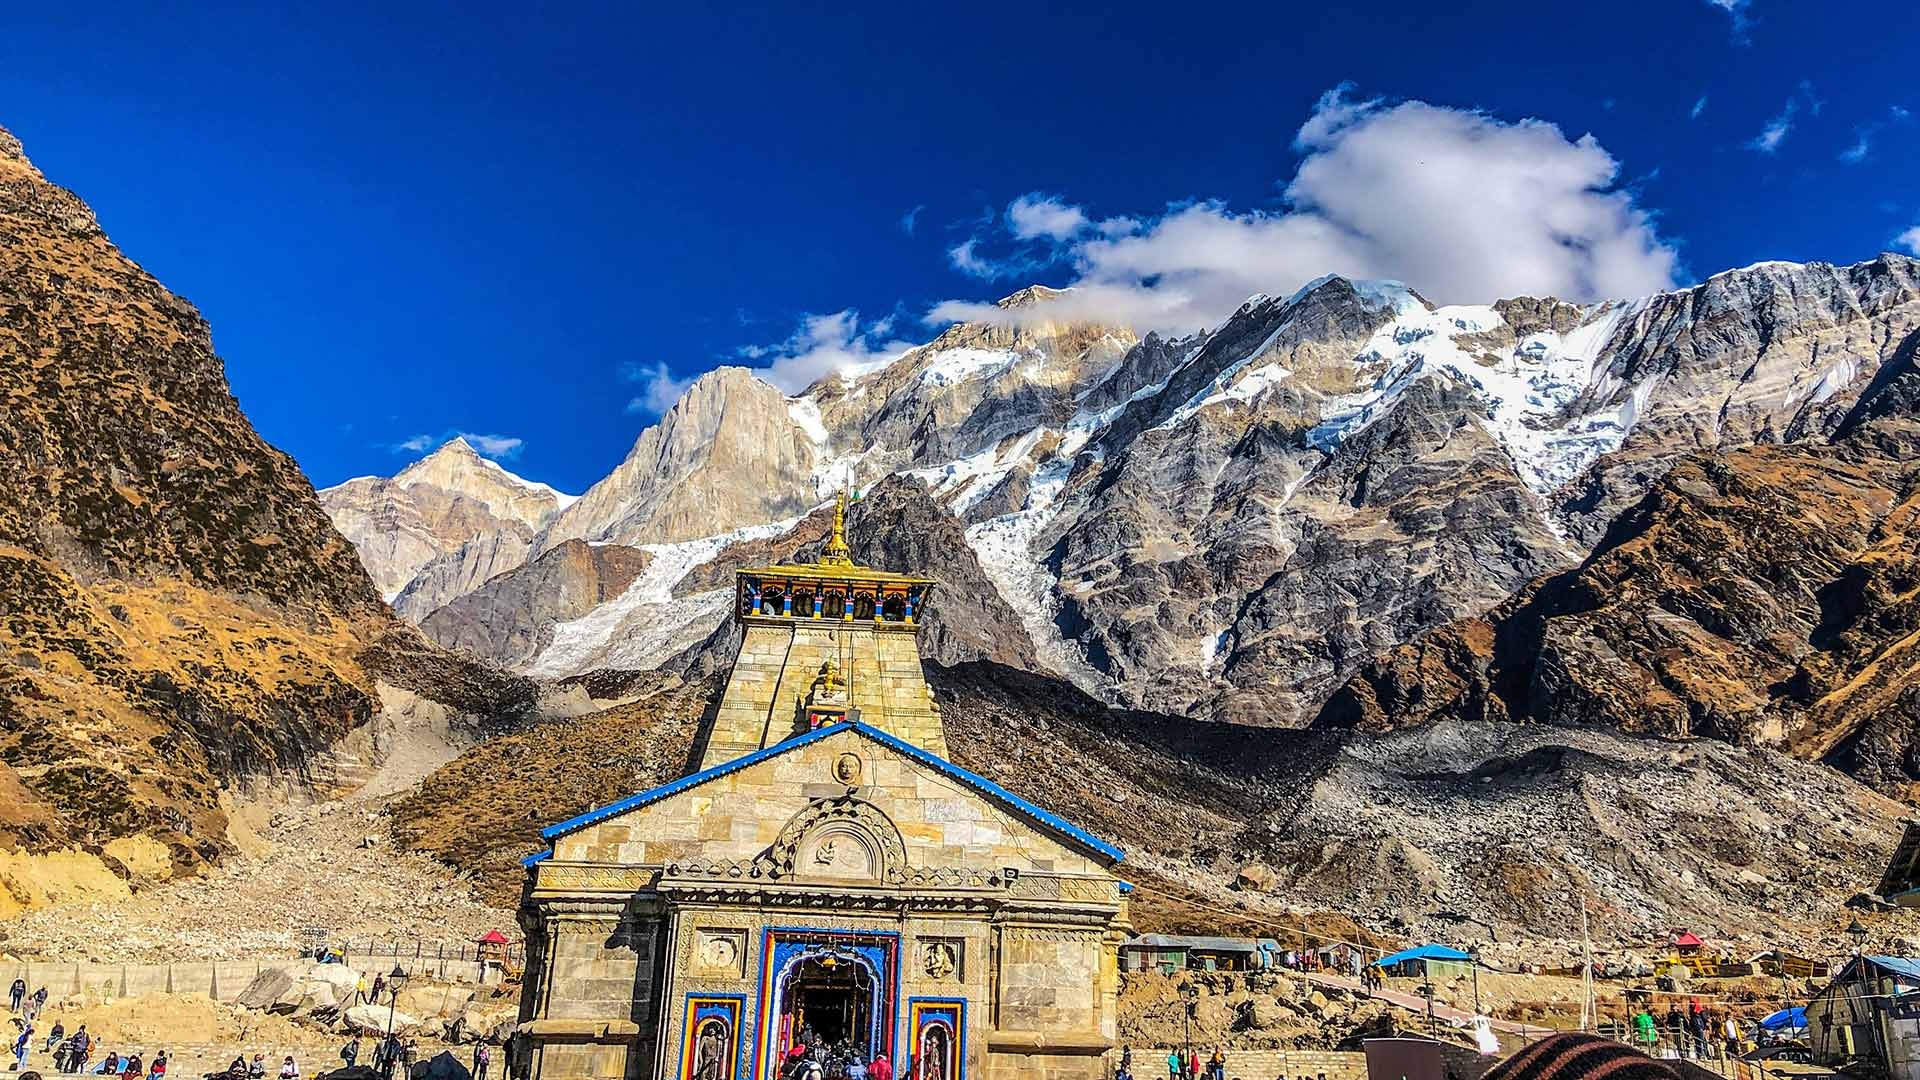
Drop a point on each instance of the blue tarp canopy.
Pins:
(1423, 952)
(1795, 1017)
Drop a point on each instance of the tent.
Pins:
(1792, 1019)
(1428, 959)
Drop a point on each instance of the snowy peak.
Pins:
(457, 468)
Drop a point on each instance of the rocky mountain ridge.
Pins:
(442, 526)
(1228, 525)
(179, 620)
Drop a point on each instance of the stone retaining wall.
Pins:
(221, 980)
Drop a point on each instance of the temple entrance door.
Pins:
(831, 1000)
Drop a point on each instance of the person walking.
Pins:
(16, 994)
(350, 1051)
(1174, 1061)
(1217, 1065)
(37, 1002)
(22, 1046)
(82, 1050)
(482, 1057)
(1643, 1029)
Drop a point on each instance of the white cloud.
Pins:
(1699, 106)
(1865, 134)
(1909, 240)
(962, 256)
(825, 345)
(1459, 204)
(1776, 132)
(910, 220)
(493, 446)
(1736, 11)
(659, 389)
(1033, 215)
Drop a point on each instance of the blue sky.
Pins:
(532, 225)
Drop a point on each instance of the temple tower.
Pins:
(824, 643)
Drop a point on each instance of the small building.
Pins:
(1869, 1015)
(1900, 883)
(1429, 961)
(1168, 953)
(491, 952)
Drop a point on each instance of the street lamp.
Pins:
(395, 980)
(1190, 994)
(1858, 933)
(1473, 955)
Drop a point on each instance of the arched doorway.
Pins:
(831, 1000)
(840, 988)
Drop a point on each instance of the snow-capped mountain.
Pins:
(442, 526)
(1227, 524)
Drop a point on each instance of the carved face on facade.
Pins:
(846, 769)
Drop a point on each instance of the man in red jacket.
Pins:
(880, 1068)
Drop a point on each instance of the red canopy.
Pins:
(1688, 941)
(494, 937)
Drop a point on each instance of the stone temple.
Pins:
(826, 873)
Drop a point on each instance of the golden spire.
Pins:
(836, 552)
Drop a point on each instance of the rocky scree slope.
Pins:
(1519, 823)
(177, 614)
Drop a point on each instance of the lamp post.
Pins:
(1473, 955)
(1190, 995)
(1858, 932)
(395, 980)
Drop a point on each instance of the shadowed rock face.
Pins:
(1765, 596)
(896, 527)
(510, 618)
(177, 614)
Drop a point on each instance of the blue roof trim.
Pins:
(1126, 886)
(574, 824)
(540, 858)
(987, 787)
(979, 783)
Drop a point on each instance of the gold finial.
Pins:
(836, 552)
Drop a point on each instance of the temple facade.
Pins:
(827, 883)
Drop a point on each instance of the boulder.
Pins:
(302, 991)
(1255, 877)
(445, 1001)
(372, 1020)
(266, 989)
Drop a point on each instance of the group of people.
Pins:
(1694, 1032)
(255, 1068)
(73, 1053)
(813, 1058)
(1182, 1064)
